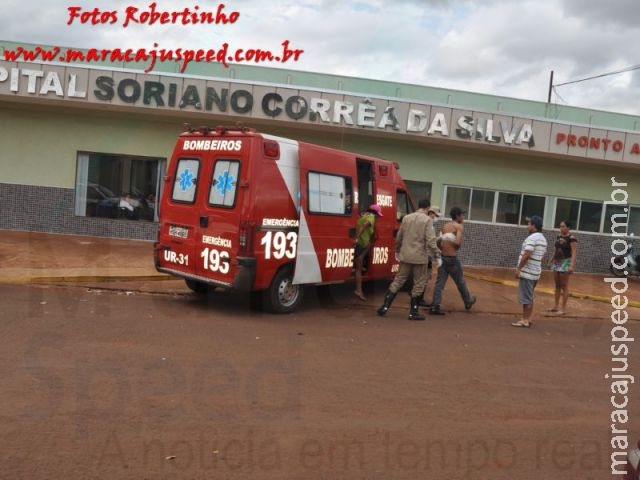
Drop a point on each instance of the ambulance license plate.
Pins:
(179, 232)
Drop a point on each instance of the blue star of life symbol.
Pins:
(186, 180)
(225, 183)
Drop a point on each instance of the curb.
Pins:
(86, 279)
(547, 290)
(162, 277)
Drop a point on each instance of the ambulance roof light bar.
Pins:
(218, 129)
(221, 130)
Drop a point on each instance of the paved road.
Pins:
(100, 384)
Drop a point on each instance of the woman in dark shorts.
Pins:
(562, 264)
(365, 235)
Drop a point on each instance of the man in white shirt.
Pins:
(529, 268)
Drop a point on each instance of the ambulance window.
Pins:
(184, 185)
(224, 182)
(330, 194)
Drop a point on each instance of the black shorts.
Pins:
(359, 251)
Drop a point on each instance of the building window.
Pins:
(457, 197)
(492, 206)
(514, 209)
(634, 221)
(567, 210)
(118, 186)
(419, 190)
(587, 216)
(482, 203)
(590, 217)
(508, 208)
(584, 216)
(532, 205)
(616, 217)
(619, 222)
(329, 194)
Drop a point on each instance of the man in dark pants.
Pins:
(450, 241)
(411, 251)
(432, 249)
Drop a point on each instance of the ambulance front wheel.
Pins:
(283, 296)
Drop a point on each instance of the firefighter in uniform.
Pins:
(412, 242)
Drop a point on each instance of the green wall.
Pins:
(483, 169)
(512, 173)
(40, 144)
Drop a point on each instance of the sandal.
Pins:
(521, 324)
(360, 296)
(554, 309)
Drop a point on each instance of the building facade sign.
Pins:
(220, 97)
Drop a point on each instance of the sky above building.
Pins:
(505, 47)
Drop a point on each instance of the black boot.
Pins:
(414, 313)
(467, 306)
(422, 303)
(435, 310)
(388, 300)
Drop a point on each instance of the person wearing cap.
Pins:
(529, 268)
(411, 251)
(365, 233)
(450, 241)
(432, 249)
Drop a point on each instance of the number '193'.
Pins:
(279, 244)
(214, 260)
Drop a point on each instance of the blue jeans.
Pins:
(451, 266)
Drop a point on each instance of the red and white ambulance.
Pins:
(258, 213)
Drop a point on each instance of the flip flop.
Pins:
(521, 324)
(552, 310)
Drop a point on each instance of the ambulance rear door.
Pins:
(179, 215)
(391, 196)
(327, 216)
(220, 207)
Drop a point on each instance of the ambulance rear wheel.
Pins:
(283, 296)
(198, 287)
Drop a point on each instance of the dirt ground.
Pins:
(118, 384)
